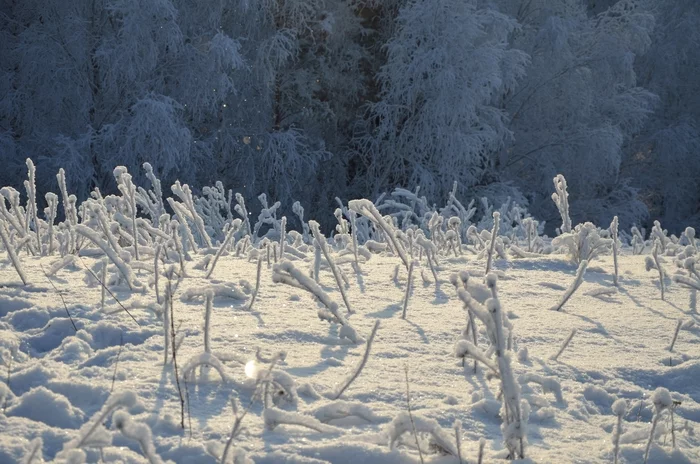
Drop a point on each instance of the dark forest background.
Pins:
(310, 100)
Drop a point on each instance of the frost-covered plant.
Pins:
(454, 206)
(619, 407)
(274, 417)
(660, 235)
(103, 287)
(187, 210)
(222, 290)
(360, 365)
(561, 200)
(409, 285)
(299, 211)
(564, 344)
(675, 334)
(208, 303)
(654, 262)
(584, 242)
(691, 281)
(321, 241)
(151, 201)
(204, 360)
(286, 273)
(514, 415)
(93, 432)
(689, 234)
(267, 216)
(405, 206)
(233, 229)
(167, 334)
(69, 210)
(128, 190)
(366, 208)
(32, 212)
(474, 237)
(638, 243)
(461, 280)
(353, 231)
(175, 240)
(210, 205)
(340, 409)
(50, 214)
(123, 267)
(531, 232)
(615, 246)
(437, 438)
(661, 398)
(15, 218)
(10, 249)
(548, 384)
(453, 235)
(238, 454)
(243, 213)
(492, 243)
(578, 280)
(430, 254)
(257, 283)
(122, 421)
(437, 236)
(283, 236)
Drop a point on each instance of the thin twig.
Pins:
(114, 375)
(409, 283)
(257, 284)
(410, 416)
(675, 334)
(174, 348)
(108, 291)
(361, 364)
(9, 370)
(60, 295)
(564, 345)
(189, 415)
(673, 427)
(458, 440)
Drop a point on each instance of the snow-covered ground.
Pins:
(59, 378)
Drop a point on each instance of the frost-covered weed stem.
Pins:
(356, 371)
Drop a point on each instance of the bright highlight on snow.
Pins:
(251, 369)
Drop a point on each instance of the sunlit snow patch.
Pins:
(251, 369)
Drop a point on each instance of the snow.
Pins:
(61, 381)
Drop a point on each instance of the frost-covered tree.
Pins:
(578, 105)
(252, 93)
(434, 121)
(297, 97)
(357, 97)
(663, 159)
(88, 88)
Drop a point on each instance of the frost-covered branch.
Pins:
(578, 280)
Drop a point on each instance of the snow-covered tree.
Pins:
(578, 104)
(663, 159)
(89, 88)
(254, 93)
(434, 122)
(297, 98)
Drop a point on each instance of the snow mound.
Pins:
(42, 405)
